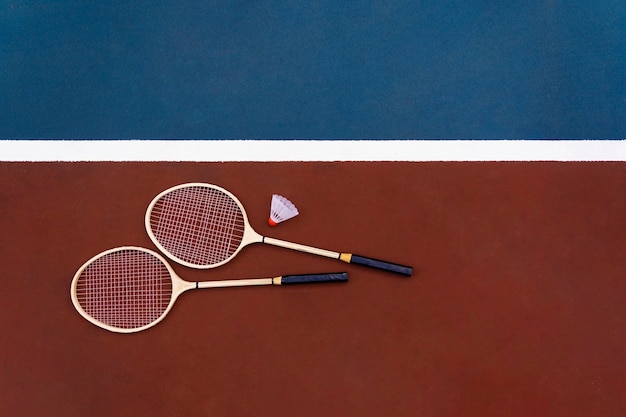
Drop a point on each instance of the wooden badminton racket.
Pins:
(204, 226)
(128, 289)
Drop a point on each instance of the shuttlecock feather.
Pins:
(282, 209)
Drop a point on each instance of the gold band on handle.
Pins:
(346, 257)
(277, 280)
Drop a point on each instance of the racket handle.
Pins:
(310, 278)
(376, 263)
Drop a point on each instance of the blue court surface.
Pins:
(477, 69)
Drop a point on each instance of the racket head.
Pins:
(199, 225)
(125, 289)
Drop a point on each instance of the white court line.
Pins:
(311, 150)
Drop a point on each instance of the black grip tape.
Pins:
(310, 278)
(378, 264)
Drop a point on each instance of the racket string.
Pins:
(199, 225)
(125, 289)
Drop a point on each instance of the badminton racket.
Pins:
(128, 289)
(204, 226)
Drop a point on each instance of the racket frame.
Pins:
(178, 287)
(249, 235)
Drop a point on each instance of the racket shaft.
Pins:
(301, 248)
(234, 283)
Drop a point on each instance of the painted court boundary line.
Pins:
(310, 150)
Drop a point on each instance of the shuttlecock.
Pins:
(282, 209)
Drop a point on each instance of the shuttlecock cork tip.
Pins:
(281, 209)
